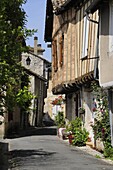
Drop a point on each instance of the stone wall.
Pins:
(4, 156)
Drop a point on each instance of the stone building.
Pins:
(39, 75)
(36, 67)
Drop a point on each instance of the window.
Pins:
(85, 37)
(61, 50)
(55, 58)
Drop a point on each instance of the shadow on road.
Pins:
(15, 158)
(33, 131)
(21, 157)
(3, 156)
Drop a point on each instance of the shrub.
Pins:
(60, 120)
(73, 125)
(80, 135)
(108, 151)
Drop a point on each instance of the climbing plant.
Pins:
(101, 125)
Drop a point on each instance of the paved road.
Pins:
(48, 152)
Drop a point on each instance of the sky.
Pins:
(36, 12)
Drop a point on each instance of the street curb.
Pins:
(90, 151)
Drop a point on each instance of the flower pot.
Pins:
(70, 137)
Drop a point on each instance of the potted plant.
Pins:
(78, 135)
(81, 110)
(58, 101)
(70, 137)
(60, 122)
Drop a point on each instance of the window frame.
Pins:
(55, 57)
(61, 43)
(85, 37)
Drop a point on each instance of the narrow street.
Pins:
(48, 152)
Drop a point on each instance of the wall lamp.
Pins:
(28, 61)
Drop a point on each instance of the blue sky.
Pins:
(36, 11)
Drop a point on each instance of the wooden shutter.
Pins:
(85, 37)
(55, 58)
(61, 50)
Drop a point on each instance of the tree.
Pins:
(13, 35)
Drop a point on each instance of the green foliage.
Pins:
(101, 125)
(97, 156)
(108, 151)
(60, 120)
(13, 34)
(73, 125)
(24, 98)
(80, 135)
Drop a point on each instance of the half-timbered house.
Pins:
(82, 40)
(74, 39)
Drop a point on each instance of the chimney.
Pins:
(35, 45)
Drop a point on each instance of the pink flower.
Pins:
(94, 109)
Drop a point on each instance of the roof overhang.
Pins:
(29, 72)
(94, 6)
(48, 22)
(56, 11)
(59, 6)
(67, 5)
(41, 58)
(73, 86)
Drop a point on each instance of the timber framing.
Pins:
(69, 20)
(73, 86)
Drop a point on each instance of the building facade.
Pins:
(39, 76)
(81, 50)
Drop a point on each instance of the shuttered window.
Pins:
(55, 57)
(61, 50)
(85, 37)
